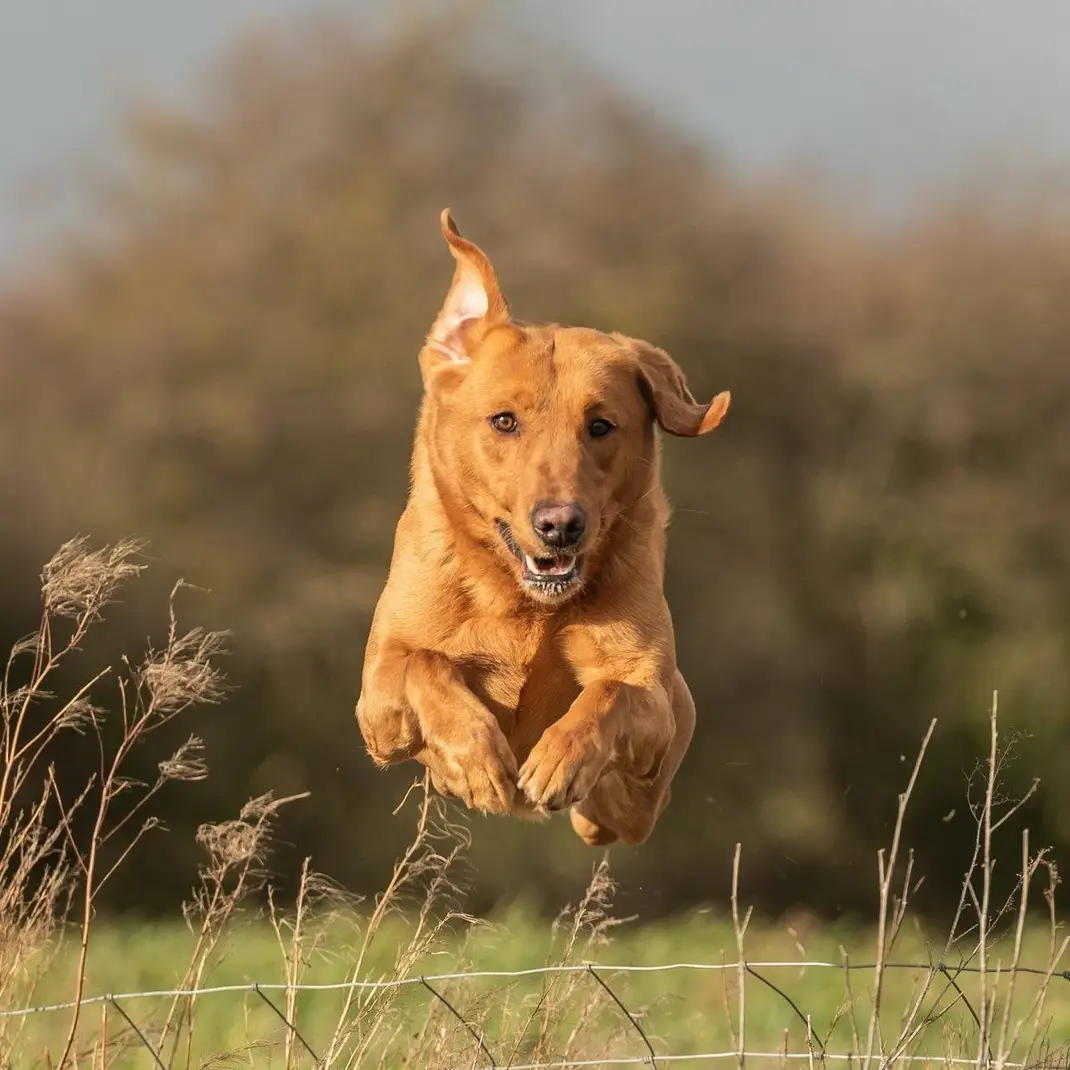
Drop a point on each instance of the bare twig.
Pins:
(886, 871)
(739, 926)
(1028, 869)
(986, 881)
(850, 1002)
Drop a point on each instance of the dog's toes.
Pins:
(564, 788)
(560, 771)
(541, 783)
(481, 772)
(504, 792)
(534, 778)
(492, 792)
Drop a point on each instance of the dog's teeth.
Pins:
(552, 566)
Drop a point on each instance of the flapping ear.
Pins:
(665, 387)
(473, 305)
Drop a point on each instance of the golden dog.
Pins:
(522, 648)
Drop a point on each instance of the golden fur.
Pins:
(530, 677)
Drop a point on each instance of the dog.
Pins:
(522, 648)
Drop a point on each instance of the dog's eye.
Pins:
(505, 422)
(599, 428)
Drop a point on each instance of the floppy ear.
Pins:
(473, 305)
(665, 387)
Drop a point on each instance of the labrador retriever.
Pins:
(522, 648)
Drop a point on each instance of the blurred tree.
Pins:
(876, 536)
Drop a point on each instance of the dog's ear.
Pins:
(664, 385)
(473, 305)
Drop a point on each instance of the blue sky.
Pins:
(885, 98)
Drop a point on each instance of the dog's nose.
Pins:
(559, 523)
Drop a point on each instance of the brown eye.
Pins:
(505, 422)
(599, 428)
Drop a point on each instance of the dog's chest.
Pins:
(523, 678)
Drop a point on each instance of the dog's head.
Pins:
(542, 436)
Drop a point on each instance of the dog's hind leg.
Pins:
(621, 807)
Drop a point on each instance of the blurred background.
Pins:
(219, 254)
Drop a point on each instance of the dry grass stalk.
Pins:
(739, 927)
(995, 1003)
(234, 873)
(887, 931)
(924, 1009)
(427, 881)
(49, 874)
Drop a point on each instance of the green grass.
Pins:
(683, 1011)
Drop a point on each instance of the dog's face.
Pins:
(542, 435)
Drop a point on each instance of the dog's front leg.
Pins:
(415, 704)
(610, 724)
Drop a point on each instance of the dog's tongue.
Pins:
(550, 566)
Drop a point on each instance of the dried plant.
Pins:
(234, 873)
(53, 872)
(51, 875)
(1005, 1033)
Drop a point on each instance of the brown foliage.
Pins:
(877, 536)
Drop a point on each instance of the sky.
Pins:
(885, 99)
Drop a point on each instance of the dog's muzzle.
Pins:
(550, 574)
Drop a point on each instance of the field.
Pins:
(682, 1012)
(588, 989)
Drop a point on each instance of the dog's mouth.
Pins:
(550, 574)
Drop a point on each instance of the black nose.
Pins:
(559, 523)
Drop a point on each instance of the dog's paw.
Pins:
(479, 770)
(563, 766)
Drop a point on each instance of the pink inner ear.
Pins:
(467, 301)
(451, 344)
